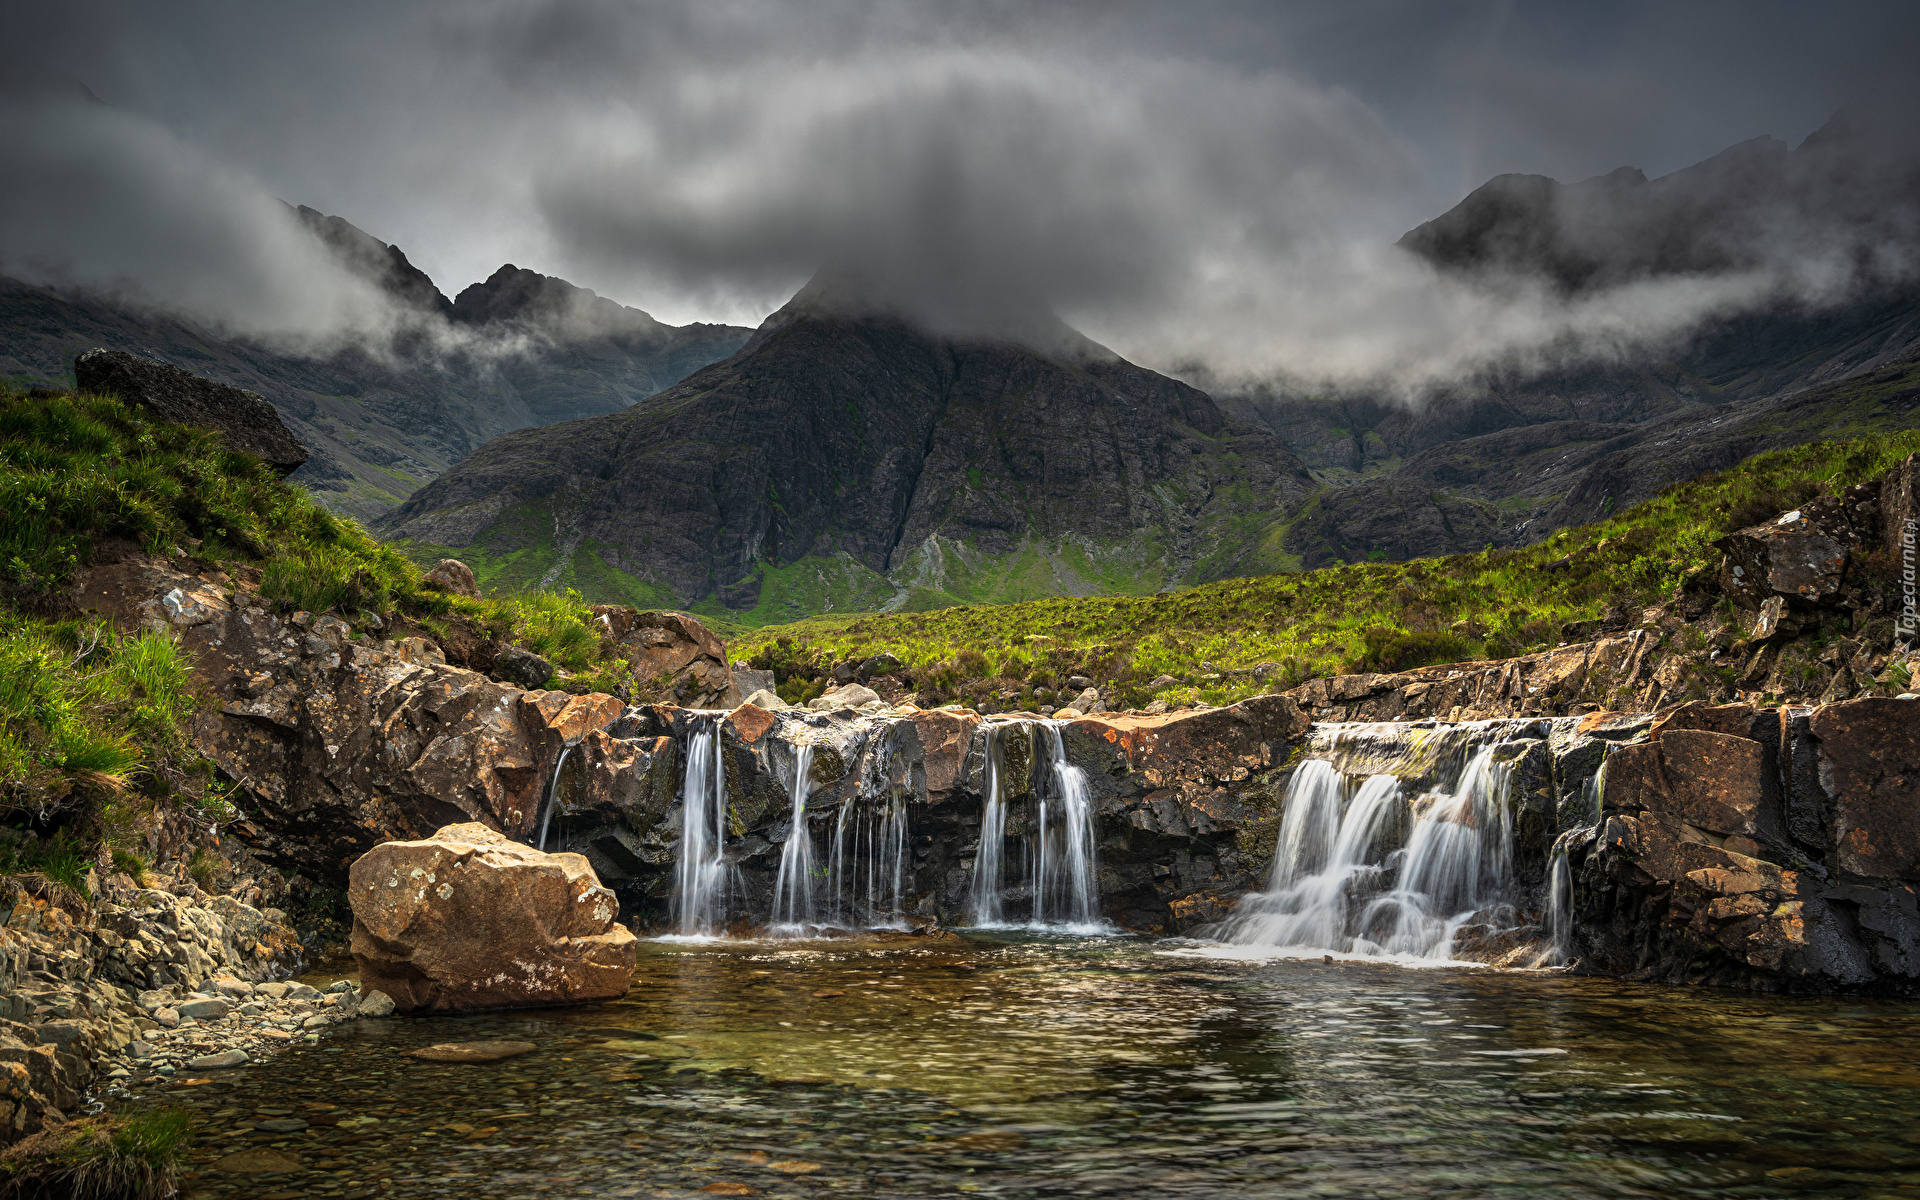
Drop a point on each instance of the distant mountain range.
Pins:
(380, 426)
(844, 458)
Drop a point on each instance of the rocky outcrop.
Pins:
(671, 656)
(1772, 849)
(244, 418)
(468, 920)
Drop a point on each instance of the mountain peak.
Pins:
(515, 295)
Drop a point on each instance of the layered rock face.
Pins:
(468, 920)
(1773, 849)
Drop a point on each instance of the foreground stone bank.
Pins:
(468, 920)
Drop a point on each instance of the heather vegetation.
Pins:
(1223, 641)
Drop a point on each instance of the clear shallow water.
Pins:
(1033, 1067)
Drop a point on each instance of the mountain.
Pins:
(1498, 460)
(846, 458)
(516, 351)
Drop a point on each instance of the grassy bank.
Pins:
(93, 719)
(1361, 617)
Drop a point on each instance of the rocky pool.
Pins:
(1122, 1067)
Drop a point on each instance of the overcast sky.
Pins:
(699, 159)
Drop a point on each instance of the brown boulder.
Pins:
(1217, 742)
(1799, 555)
(945, 735)
(453, 576)
(1870, 766)
(672, 656)
(467, 920)
(1710, 780)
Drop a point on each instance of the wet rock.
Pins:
(1711, 780)
(1869, 769)
(375, 1004)
(245, 419)
(218, 1060)
(454, 577)
(493, 1050)
(468, 920)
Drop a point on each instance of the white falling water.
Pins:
(867, 865)
(1064, 871)
(553, 798)
(1559, 911)
(987, 861)
(793, 910)
(699, 875)
(1340, 885)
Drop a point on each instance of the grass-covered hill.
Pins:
(94, 719)
(1360, 617)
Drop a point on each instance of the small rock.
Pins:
(341, 985)
(1156, 708)
(227, 985)
(281, 1125)
(223, 1058)
(1067, 714)
(1079, 681)
(522, 668)
(491, 1050)
(273, 991)
(376, 1004)
(317, 1021)
(167, 1017)
(452, 575)
(204, 1010)
(826, 993)
(1162, 681)
(767, 700)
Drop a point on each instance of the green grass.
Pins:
(135, 1157)
(1363, 616)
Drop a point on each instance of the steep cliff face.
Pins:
(914, 467)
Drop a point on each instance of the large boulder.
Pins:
(1798, 556)
(673, 657)
(454, 577)
(467, 920)
(170, 394)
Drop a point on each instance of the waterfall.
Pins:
(793, 911)
(1343, 880)
(553, 798)
(993, 836)
(1064, 889)
(1559, 911)
(867, 865)
(699, 874)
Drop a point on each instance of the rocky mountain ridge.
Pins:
(909, 466)
(379, 421)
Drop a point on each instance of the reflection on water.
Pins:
(929, 1067)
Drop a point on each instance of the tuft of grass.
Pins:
(1377, 616)
(100, 1158)
(130, 864)
(202, 868)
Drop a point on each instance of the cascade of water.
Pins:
(1063, 860)
(553, 798)
(893, 850)
(839, 885)
(1559, 911)
(993, 836)
(793, 910)
(1340, 882)
(699, 874)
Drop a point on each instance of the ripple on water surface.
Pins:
(1030, 1067)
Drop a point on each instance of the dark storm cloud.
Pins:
(1218, 184)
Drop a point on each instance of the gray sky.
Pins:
(1177, 178)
